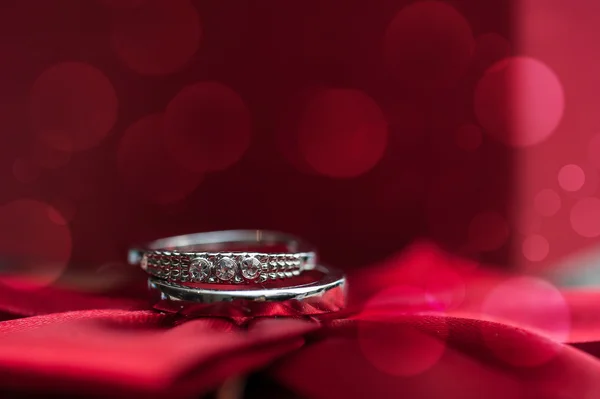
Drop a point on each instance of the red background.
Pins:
(350, 124)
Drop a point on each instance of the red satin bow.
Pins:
(421, 325)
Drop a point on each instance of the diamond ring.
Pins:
(225, 257)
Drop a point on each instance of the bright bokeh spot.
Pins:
(37, 247)
(571, 177)
(528, 303)
(146, 168)
(519, 101)
(160, 37)
(547, 202)
(343, 133)
(585, 217)
(428, 44)
(469, 137)
(535, 248)
(208, 127)
(73, 106)
(390, 342)
(488, 231)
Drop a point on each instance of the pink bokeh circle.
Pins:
(547, 202)
(343, 133)
(207, 127)
(146, 168)
(428, 44)
(519, 101)
(37, 240)
(535, 248)
(158, 37)
(585, 217)
(73, 106)
(571, 177)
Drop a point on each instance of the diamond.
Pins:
(225, 269)
(250, 267)
(200, 269)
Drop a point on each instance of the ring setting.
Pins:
(182, 270)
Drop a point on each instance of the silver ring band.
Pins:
(199, 258)
(325, 294)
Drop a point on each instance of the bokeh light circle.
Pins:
(535, 248)
(547, 202)
(37, 246)
(469, 137)
(488, 231)
(571, 177)
(392, 343)
(343, 133)
(519, 101)
(146, 168)
(159, 37)
(73, 106)
(585, 217)
(534, 304)
(428, 44)
(208, 127)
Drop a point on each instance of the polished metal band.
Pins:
(326, 293)
(197, 258)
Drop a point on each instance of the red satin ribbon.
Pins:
(423, 324)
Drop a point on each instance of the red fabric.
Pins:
(422, 325)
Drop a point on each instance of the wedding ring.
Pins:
(220, 257)
(325, 293)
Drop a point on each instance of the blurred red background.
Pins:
(360, 125)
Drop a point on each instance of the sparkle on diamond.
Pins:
(200, 269)
(225, 269)
(250, 268)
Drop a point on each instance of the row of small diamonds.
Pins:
(222, 267)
